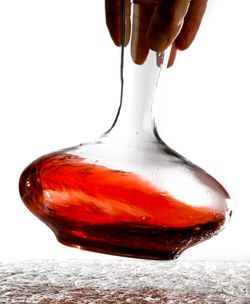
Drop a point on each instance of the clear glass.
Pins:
(127, 193)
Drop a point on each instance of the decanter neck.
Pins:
(134, 118)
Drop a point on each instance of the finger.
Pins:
(142, 15)
(191, 24)
(172, 55)
(113, 9)
(166, 23)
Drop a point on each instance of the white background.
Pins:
(45, 105)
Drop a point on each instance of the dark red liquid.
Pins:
(108, 211)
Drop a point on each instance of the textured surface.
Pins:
(124, 281)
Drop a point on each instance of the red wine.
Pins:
(95, 208)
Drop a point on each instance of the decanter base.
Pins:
(137, 242)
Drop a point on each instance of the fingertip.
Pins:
(139, 51)
(138, 59)
(187, 35)
(158, 41)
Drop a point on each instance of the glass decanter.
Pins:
(127, 193)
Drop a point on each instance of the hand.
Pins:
(156, 25)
